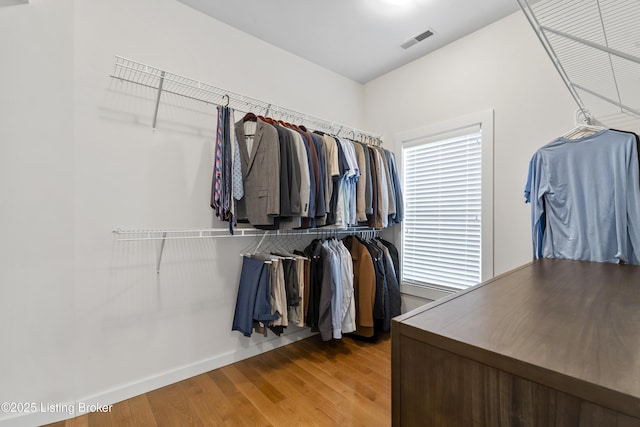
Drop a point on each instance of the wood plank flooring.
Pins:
(308, 383)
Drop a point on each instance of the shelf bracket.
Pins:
(164, 239)
(155, 112)
(609, 100)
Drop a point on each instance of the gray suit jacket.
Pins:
(260, 175)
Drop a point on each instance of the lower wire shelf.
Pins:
(131, 235)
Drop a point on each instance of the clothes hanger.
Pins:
(254, 247)
(282, 120)
(246, 251)
(274, 121)
(250, 117)
(583, 129)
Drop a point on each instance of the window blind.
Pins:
(442, 226)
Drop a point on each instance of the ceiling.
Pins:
(359, 39)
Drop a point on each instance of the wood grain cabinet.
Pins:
(552, 343)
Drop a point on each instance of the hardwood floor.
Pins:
(308, 383)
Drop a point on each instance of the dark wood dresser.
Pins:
(552, 343)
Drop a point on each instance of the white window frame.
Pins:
(485, 119)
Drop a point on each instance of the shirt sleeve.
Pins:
(527, 187)
(535, 189)
(633, 204)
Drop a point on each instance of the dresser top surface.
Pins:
(579, 319)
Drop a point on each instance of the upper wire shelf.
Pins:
(594, 46)
(167, 82)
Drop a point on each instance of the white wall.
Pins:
(91, 320)
(502, 67)
(37, 351)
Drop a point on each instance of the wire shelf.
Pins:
(167, 82)
(594, 46)
(213, 233)
(162, 235)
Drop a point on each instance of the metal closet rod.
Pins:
(166, 82)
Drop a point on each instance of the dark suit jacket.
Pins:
(289, 174)
(321, 210)
(260, 175)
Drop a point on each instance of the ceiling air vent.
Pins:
(416, 39)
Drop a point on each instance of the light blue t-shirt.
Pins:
(585, 198)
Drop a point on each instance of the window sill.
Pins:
(430, 293)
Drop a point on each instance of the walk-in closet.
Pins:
(286, 213)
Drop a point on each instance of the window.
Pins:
(446, 214)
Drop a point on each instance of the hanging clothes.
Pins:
(338, 282)
(368, 185)
(585, 198)
(335, 287)
(216, 186)
(373, 212)
(393, 284)
(321, 210)
(364, 286)
(398, 215)
(253, 303)
(299, 309)
(316, 261)
(222, 186)
(395, 259)
(276, 175)
(293, 266)
(361, 183)
(260, 157)
(301, 157)
(330, 154)
(328, 314)
(289, 179)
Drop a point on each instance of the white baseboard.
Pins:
(66, 410)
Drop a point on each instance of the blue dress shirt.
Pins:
(585, 198)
